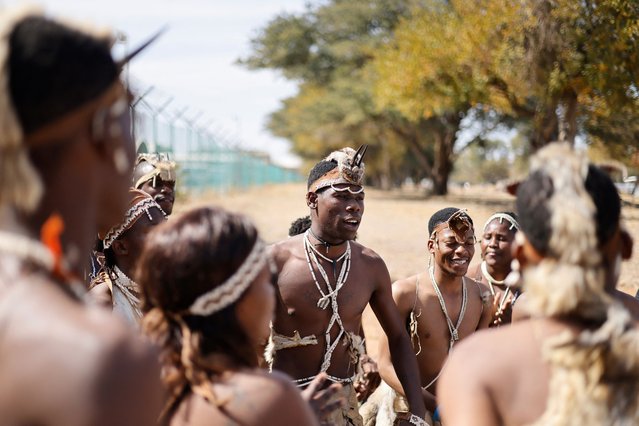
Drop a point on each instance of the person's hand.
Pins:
(369, 380)
(503, 314)
(322, 399)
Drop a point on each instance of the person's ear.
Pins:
(431, 245)
(311, 200)
(524, 252)
(626, 244)
(120, 247)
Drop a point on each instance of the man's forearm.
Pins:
(407, 370)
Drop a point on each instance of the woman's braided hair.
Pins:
(182, 260)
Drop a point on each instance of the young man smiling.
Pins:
(325, 282)
(440, 306)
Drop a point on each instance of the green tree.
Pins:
(563, 66)
(329, 50)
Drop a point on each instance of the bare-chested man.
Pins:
(576, 362)
(439, 307)
(65, 167)
(325, 282)
(496, 257)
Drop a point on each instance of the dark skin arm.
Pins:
(401, 351)
(487, 304)
(404, 297)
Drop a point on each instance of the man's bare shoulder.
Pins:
(474, 357)
(367, 255)
(404, 292)
(258, 398)
(284, 248)
(93, 359)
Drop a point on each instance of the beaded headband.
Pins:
(502, 217)
(142, 206)
(230, 291)
(350, 169)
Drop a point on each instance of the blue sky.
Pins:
(194, 60)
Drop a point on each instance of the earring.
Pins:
(120, 161)
(513, 279)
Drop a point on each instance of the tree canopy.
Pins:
(405, 75)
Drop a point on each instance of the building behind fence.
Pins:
(203, 160)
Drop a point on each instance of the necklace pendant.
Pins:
(323, 302)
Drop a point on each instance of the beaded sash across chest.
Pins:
(328, 298)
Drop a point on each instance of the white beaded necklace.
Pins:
(453, 329)
(491, 281)
(329, 298)
(28, 249)
(127, 286)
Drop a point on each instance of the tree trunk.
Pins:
(445, 138)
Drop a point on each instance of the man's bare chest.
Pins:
(437, 324)
(306, 296)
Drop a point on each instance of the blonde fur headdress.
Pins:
(594, 373)
(571, 276)
(20, 184)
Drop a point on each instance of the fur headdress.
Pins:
(163, 167)
(20, 184)
(350, 168)
(594, 373)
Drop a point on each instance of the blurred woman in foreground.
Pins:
(208, 302)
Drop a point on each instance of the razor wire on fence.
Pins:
(205, 160)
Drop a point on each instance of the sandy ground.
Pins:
(394, 223)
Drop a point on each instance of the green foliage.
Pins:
(328, 50)
(402, 75)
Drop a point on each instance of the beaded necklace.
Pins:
(329, 298)
(127, 286)
(491, 281)
(28, 249)
(453, 330)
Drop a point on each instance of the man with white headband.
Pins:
(440, 307)
(325, 282)
(122, 243)
(496, 257)
(576, 360)
(66, 154)
(155, 175)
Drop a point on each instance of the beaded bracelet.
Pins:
(412, 419)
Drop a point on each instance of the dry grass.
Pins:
(394, 223)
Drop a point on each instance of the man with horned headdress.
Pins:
(66, 154)
(325, 282)
(155, 175)
(122, 245)
(576, 361)
(440, 307)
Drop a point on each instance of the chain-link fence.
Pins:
(205, 161)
